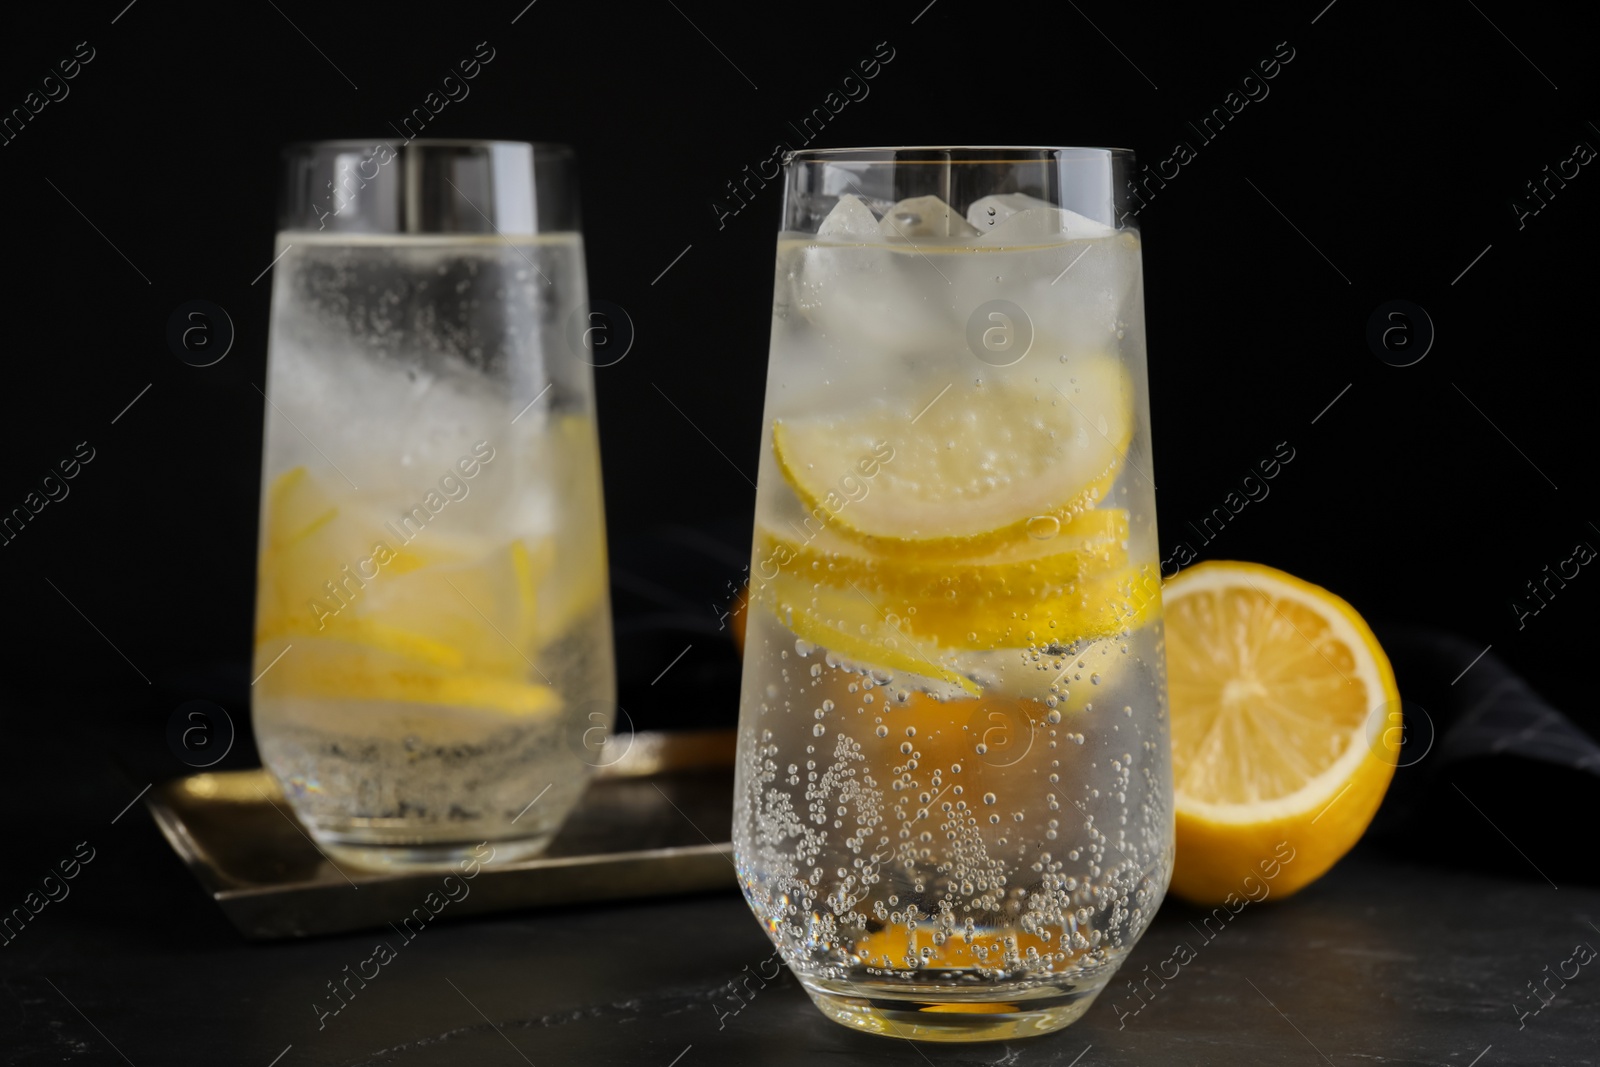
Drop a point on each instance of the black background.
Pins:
(1396, 141)
(1391, 149)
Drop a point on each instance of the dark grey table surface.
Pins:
(1380, 962)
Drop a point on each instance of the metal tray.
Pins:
(655, 822)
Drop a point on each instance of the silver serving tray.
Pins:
(655, 822)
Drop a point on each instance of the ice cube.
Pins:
(990, 211)
(882, 296)
(1079, 294)
(391, 425)
(1017, 218)
(924, 216)
(850, 220)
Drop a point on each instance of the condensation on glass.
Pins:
(432, 632)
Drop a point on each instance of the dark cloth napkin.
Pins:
(1491, 776)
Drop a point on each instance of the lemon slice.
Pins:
(296, 506)
(868, 624)
(846, 623)
(1102, 605)
(1032, 568)
(484, 609)
(320, 576)
(898, 945)
(1274, 687)
(305, 523)
(976, 465)
(324, 668)
(308, 542)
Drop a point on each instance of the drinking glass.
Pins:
(432, 631)
(953, 804)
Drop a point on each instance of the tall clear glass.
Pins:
(432, 620)
(953, 809)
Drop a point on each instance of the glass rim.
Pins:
(887, 153)
(538, 147)
(432, 185)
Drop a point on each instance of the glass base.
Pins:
(948, 1015)
(430, 856)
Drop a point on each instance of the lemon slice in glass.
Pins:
(976, 466)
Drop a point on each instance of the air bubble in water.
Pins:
(818, 730)
(882, 731)
(989, 798)
(1043, 527)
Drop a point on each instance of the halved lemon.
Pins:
(974, 467)
(1275, 685)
